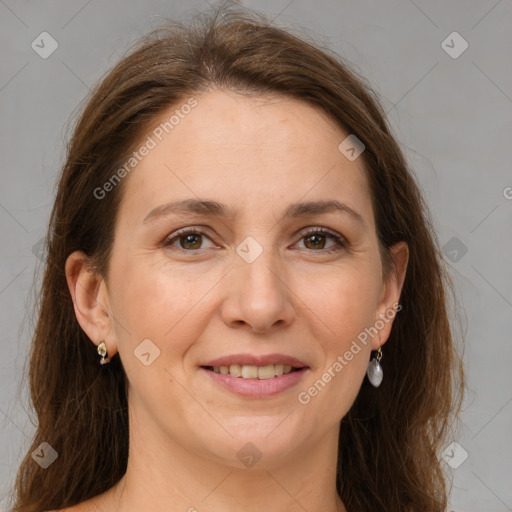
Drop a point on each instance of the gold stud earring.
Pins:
(102, 351)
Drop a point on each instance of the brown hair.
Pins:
(390, 439)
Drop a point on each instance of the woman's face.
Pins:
(248, 284)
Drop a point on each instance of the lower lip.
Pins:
(256, 388)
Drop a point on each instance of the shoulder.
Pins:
(94, 504)
(74, 508)
(84, 506)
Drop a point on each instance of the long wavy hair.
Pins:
(390, 440)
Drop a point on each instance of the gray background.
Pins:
(451, 115)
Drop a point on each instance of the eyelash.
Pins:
(340, 241)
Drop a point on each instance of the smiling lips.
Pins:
(256, 376)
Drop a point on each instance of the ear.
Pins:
(388, 305)
(90, 300)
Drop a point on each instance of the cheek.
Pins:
(342, 307)
(162, 306)
(159, 303)
(342, 302)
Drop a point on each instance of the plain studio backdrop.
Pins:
(442, 71)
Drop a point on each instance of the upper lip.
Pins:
(254, 360)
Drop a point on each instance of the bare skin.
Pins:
(197, 299)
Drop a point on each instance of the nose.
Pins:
(258, 296)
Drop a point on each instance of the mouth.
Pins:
(255, 375)
(265, 372)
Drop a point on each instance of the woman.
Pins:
(244, 304)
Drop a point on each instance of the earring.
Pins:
(102, 351)
(374, 370)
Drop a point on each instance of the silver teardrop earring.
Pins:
(374, 370)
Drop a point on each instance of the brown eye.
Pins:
(315, 240)
(189, 240)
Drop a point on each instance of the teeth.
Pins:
(254, 372)
(266, 372)
(249, 372)
(235, 370)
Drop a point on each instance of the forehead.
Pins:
(245, 150)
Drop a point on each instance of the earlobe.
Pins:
(90, 299)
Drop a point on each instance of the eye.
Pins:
(190, 239)
(315, 238)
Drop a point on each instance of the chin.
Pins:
(258, 446)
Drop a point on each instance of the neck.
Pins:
(165, 476)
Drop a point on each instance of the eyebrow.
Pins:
(214, 208)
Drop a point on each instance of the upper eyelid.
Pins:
(326, 231)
